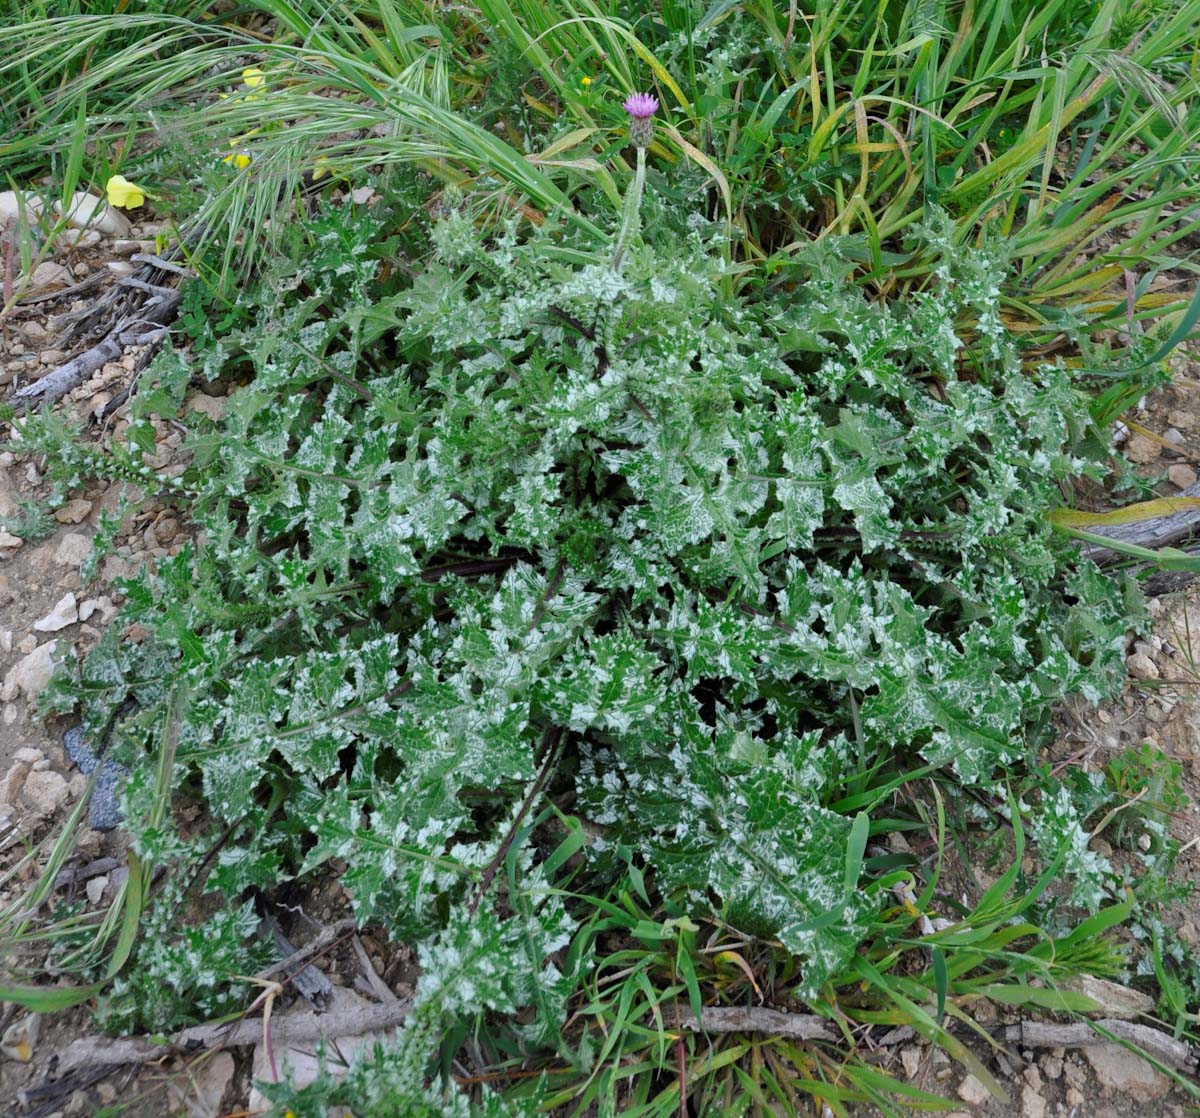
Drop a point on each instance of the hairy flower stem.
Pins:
(630, 216)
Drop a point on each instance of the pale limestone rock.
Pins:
(972, 1092)
(95, 889)
(77, 238)
(211, 406)
(13, 781)
(73, 549)
(88, 210)
(116, 566)
(89, 843)
(1142, 450)
(8, 500)
(16, 208)
(1120, 1070)
(30, 674)
(129, 247)
(73, 511)
(1181, 475)
(104, 604)
(45, 792)
(207, 1085)
(1114, 999)
(64, 613)
(48, 275)
(1141, 666)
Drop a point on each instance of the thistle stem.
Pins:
(630, 216)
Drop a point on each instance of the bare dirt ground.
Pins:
(47, 612)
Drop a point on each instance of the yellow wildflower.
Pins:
(253, 77)
(121, 192)
(240, 158)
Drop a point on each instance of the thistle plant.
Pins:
(583, 605)
(641, 108)
(574, 544)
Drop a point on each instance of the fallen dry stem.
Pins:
(1175, 1054)
(289, 1031)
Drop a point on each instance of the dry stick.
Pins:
(55, 385)
(58, 383)
(315, 946)
(1165, 1049)
(552, 738)
(86, 284)
(114, 304)
(757, 1019)
(1159, 531)
(309, 981)
(297, 1029)
(84, 873)
(103, 412)
(1030, 1034)
(158, 310)
(161, 264)
(378, 987)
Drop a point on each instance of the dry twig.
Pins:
(58, 383)
(1163, 1048)
(289, 1031)
(1159, 531)
(315, 946)
(757, 1019)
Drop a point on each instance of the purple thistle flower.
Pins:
(641, 107)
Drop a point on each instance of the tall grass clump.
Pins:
(632, 569)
